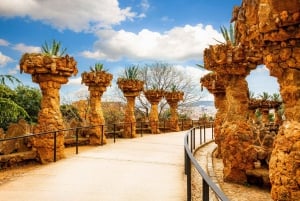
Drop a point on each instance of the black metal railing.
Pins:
(113, 129)
(189, 148)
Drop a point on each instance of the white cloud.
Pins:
(24, 48)
(4, 59)
(145, 5)
(3, 42)
(177, 44)
(76, 15)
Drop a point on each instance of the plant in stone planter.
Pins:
(54, 49)
(98, 67)
(131, 72)
(228, 35)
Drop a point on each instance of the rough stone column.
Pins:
(173, 98)
(218, 88)
(237, 149)
(97, 83)
(131, 89)
(273, 25)
(96, 134)
(285, 158)
(50, 73)
(154, 97)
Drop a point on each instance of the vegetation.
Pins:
(54, 49)
(69, 112)
(228, 35)
(20, 103)
(9, 78)
(98, 67)
(131, 72)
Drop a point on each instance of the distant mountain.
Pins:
(204, 104)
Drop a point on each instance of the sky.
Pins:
(118, 33)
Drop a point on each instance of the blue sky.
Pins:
(117, 33)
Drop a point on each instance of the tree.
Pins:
(165, 76)
(29, 99)
(69, 112)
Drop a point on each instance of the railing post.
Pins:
(114, 133)
(76, 134)
(164, 125)
(141, 128)
(205, 191)
(131, 129)
(182, 124)
(212, 130)
(204, 132)
(102, 134)
(54, 146)
(194, 130)
(189, 178)
(200, 134)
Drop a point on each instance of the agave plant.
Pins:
(228, 35)
(276, 97)
(131, 72)
(54, 49)
(98, 67)
(265, 96)
(174, 88)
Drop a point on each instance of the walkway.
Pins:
(147, 168)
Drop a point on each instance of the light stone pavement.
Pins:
(148, 168)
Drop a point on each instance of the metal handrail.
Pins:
(207, 183)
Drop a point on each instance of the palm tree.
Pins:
(9, 78)
(54, 49)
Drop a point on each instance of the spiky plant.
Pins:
(9, 78)
(264, 96)
(131, 72)
(174, 88)
(54, 49)
(228, 35)
(98, 67)
(276, 97)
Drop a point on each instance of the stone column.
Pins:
(285, 162)
(216, 85)
(50, 73)
(273, 26)
(173, 98)
(97, 83)
(154, 97)
(131, 89)
(236, 135)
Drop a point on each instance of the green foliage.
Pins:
(251, 94)
(174, 88)
(29, 98)
(9, 78)
(54, 49)
(6, 92)
(131, 72)
(275, 97)
(264, 96)
(98, 67)
(69, 112)
(228, 35)
(11, 112)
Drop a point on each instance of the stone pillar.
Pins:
(285, 162)
(97, 83)
(173, 98)
(216, 85)
(131, 89)
(273, 26)
(50, 73)
(154, 97)
(233, 64)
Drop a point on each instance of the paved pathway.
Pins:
(147, 168)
